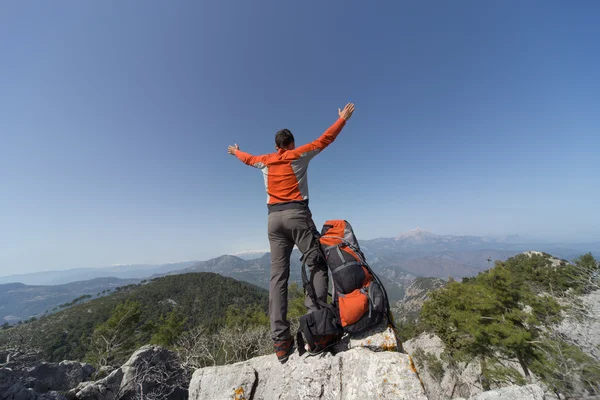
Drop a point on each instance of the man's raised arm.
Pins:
(313, 148)
(248, 159)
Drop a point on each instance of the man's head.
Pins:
(284, 140)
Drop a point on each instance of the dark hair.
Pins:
(284, 138)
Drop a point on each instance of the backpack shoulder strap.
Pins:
(308, 283)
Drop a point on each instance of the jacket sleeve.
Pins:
(254, 161)
(316, 146)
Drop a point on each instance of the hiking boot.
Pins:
(324, 343)
(283, 349)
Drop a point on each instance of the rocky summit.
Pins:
(367, 367)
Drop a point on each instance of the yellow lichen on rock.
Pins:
(414, 369)
(238, 394)
(389, 346)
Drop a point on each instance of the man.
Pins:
(290, 221)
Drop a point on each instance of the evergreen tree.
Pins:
(169, 329)
(114, 339)
(505, 313)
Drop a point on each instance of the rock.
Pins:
(57, 376)
(52, 396)
(368, 367)
(4, 356)
(155, 368)
(16, 356)
(584, 332)
(106, 370)
(104, 389)
(528, 392)
(149, 369)
(7, 379)
(428, 342)
(26, 383)
(381, 338)
(25, 394)
(409, 308)
(554, 262)
(209, 382)
(11, 387)
(16, 360)
(440, 384)
(436, 387)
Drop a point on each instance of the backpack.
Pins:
(359, 299)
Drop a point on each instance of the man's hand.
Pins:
(346, 113)
(233, 149)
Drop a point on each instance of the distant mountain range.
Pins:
(134, 271)
(251, 254)
(423, 253)
(417, 251)
(418, 240)
(19, 301)
(398, 261)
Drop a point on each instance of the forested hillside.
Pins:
(108, 329)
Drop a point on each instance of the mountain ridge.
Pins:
(411, 243)
(398, 261)
(19, 301)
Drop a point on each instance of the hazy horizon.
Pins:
(524, 239)
(471, 119)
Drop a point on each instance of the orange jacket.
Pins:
(285, 171)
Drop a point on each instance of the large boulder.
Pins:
(57, 376)
(37, 382)
(367, 367)
(104, 389)
(426, 350)
(7, 379)
(11, 388)
(151, 369)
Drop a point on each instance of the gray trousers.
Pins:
(286, 229)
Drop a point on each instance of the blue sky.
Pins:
(115, 117)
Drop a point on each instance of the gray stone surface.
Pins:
(369, 368)
(11, 388)
(584, 332)
(51, 396)
(105, 389)
(528, 392)
(7, 379)
(381, 338)
(231, 382)
(464, 383)
(151, 369)
(435, 388)
(58, 376)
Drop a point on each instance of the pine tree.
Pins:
(113, 339)
(169, 329)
